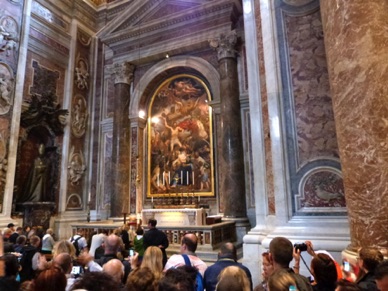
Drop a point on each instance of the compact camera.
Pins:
(302, 247)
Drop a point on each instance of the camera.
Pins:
(302, 247)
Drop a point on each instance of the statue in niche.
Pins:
(82, 75)
(36, 187)
(76, 167)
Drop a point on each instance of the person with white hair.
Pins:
(48, 242)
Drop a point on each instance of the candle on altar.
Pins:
(158, 179)
(152, 199)
(181, 177)
(187, 178)
(89, 197)
(163, 178)
(193, 177)
(169, 177)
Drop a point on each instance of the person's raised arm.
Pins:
(296, 255)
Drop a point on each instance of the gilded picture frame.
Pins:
(180, 139)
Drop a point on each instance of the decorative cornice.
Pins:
(213, 12)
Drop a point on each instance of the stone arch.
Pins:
(171, 66)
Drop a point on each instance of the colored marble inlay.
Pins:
(49, 41)
(323, 189)
(44, 80)
(314, 115)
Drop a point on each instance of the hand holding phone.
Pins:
(346, 265)
(76, 271)
(131, 252)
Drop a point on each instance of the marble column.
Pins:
(232, 184)
(357, 53)
(123, 73)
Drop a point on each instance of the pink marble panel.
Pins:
(265, 114)
(314, 115)
(53, 44)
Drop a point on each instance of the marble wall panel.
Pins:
(80, 119)
(10, 35)
(38, 69)
(134, 167)
(265, 114)
(49, 42)
(307, 105)
(313, 109)
(109, 96)
(108, 170)
(46, 14)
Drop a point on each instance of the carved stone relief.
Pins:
(74, 202)
(6, 88)
(82, 74)
(321, 188)
(76, 167)
(8, 35)
(79, 116)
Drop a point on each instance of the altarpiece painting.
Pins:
(180, 145)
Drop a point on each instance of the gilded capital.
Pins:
(225, 45)
(123, 72)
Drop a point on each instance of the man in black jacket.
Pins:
(28, 252)
(156, 237)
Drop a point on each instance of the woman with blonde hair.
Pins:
(64, 246)
(153, 259)
(233, 278)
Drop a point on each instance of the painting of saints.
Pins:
(180, 143)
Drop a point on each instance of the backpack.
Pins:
(75, 244)
(199, 285)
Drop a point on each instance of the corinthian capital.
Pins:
(225, 45)
(123, 72)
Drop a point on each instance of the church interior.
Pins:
(238, 120)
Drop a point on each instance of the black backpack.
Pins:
(75, 244)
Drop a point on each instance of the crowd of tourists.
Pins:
(130, 258)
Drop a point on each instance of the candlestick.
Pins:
(193, 177)
(163, 177)
(152, 199)
(169, 177)
(181, 177)
(187, 178)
